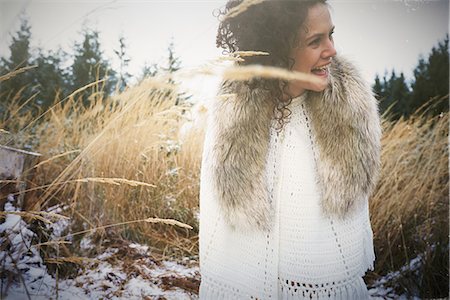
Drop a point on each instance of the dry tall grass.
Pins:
(409, 210)
(120, 160)
(115, 161)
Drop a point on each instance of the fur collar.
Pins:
(346, 128)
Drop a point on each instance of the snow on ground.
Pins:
(101, 277)
(25, 276)
(381, 290)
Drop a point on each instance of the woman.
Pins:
(288, 166)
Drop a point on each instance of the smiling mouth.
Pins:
(321, 71)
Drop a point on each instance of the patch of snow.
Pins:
(173, 171)
(102, 279)
(380, 292)
(96, 281)
(172, 146)
(10, 198)
(57, 209)
(380, 288)
(58, 228)
(138, 287)
(108, 253)
(11, 224)
(178, 269)
(86, 243)
(170, 200)
(141, 249)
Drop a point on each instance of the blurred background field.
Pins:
(115, 155)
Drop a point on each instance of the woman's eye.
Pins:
(315, 42)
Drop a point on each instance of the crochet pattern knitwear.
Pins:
(305, 254)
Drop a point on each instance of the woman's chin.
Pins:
(320, 85)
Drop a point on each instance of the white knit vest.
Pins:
(305, 255)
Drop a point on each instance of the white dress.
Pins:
(305, 255)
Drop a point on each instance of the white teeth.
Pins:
(324, 68)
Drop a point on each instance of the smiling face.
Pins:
(315, 50)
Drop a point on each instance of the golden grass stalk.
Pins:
(168, 222)
(249, 53)
(55, 157)
(249, 72)
(14, 113)
(7, 181)
(115, 181)
(50, 243)
(238, 9)
(72, 259)
(35, 215)
(16, 72)
(238, 55)
(227, 58)
(146, 220)
(95, 83)
(253, 71)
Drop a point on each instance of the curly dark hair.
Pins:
(271, 26)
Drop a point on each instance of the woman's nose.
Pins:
(329, 51)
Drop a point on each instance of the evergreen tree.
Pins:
(124, 59)
(20, 47)
(173, 62)
(432, 78)
(89, 66)
(149, 71)
(400, 93)
(393, 92)
(20, 57)
(381, 89)
(378, 88)
(49, 77)
(173, 65)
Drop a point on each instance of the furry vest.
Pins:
(346, 128)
